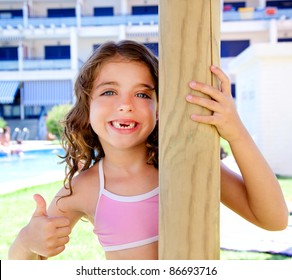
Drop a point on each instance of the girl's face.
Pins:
(123, 105)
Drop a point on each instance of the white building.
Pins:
(44, 43)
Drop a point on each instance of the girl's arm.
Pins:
(257, 195)
(46, 234)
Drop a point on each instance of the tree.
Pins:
(55, 116)
(3, 123)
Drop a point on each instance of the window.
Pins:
(12, 111)
(145, 10)
(153, 47)
(32, 112)
(235, 5)
(8, 53)
(284, 40)
(95, 46)
(70, 12)
(104, 11)
(233, 48)
(10, 13)
(57, 52)
(280, 4)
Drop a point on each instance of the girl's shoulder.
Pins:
(82, 198)
(86, 179)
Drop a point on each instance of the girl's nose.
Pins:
(125, 108)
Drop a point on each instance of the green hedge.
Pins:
(55, 117)
(3, 123)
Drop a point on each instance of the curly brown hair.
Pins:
(80, 142)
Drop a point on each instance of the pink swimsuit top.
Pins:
(123, 222)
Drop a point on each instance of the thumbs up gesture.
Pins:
(46, 236)
(41, 206)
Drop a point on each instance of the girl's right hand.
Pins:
(45, 236)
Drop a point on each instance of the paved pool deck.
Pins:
(34, 145)
(240, 235)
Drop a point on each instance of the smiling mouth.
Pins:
(123, 125)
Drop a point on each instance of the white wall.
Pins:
(264, 98)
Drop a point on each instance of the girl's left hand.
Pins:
(224, 116)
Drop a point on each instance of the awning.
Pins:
(8, 90)
(42, 93)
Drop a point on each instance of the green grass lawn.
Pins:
(16, 209)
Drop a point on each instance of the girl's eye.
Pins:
(108, 93)
(142, 95)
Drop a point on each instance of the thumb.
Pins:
(41, 206)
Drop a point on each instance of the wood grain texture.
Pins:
(189, 175)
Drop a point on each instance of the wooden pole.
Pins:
(189, 152)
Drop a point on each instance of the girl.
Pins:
(110, 139)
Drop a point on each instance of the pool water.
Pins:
(30, 164)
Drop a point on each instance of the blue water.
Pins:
(30, 164)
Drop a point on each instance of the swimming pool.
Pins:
(31, 168)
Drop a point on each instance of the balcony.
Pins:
(84, 21)
(251, 14)
(231, 15)
(36, 64)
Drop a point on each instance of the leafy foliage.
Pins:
(55, 118)
(3, 123)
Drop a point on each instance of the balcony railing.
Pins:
(256, 15)
(84, 21)
(132, 19)
(36, 64)
(120, 20)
